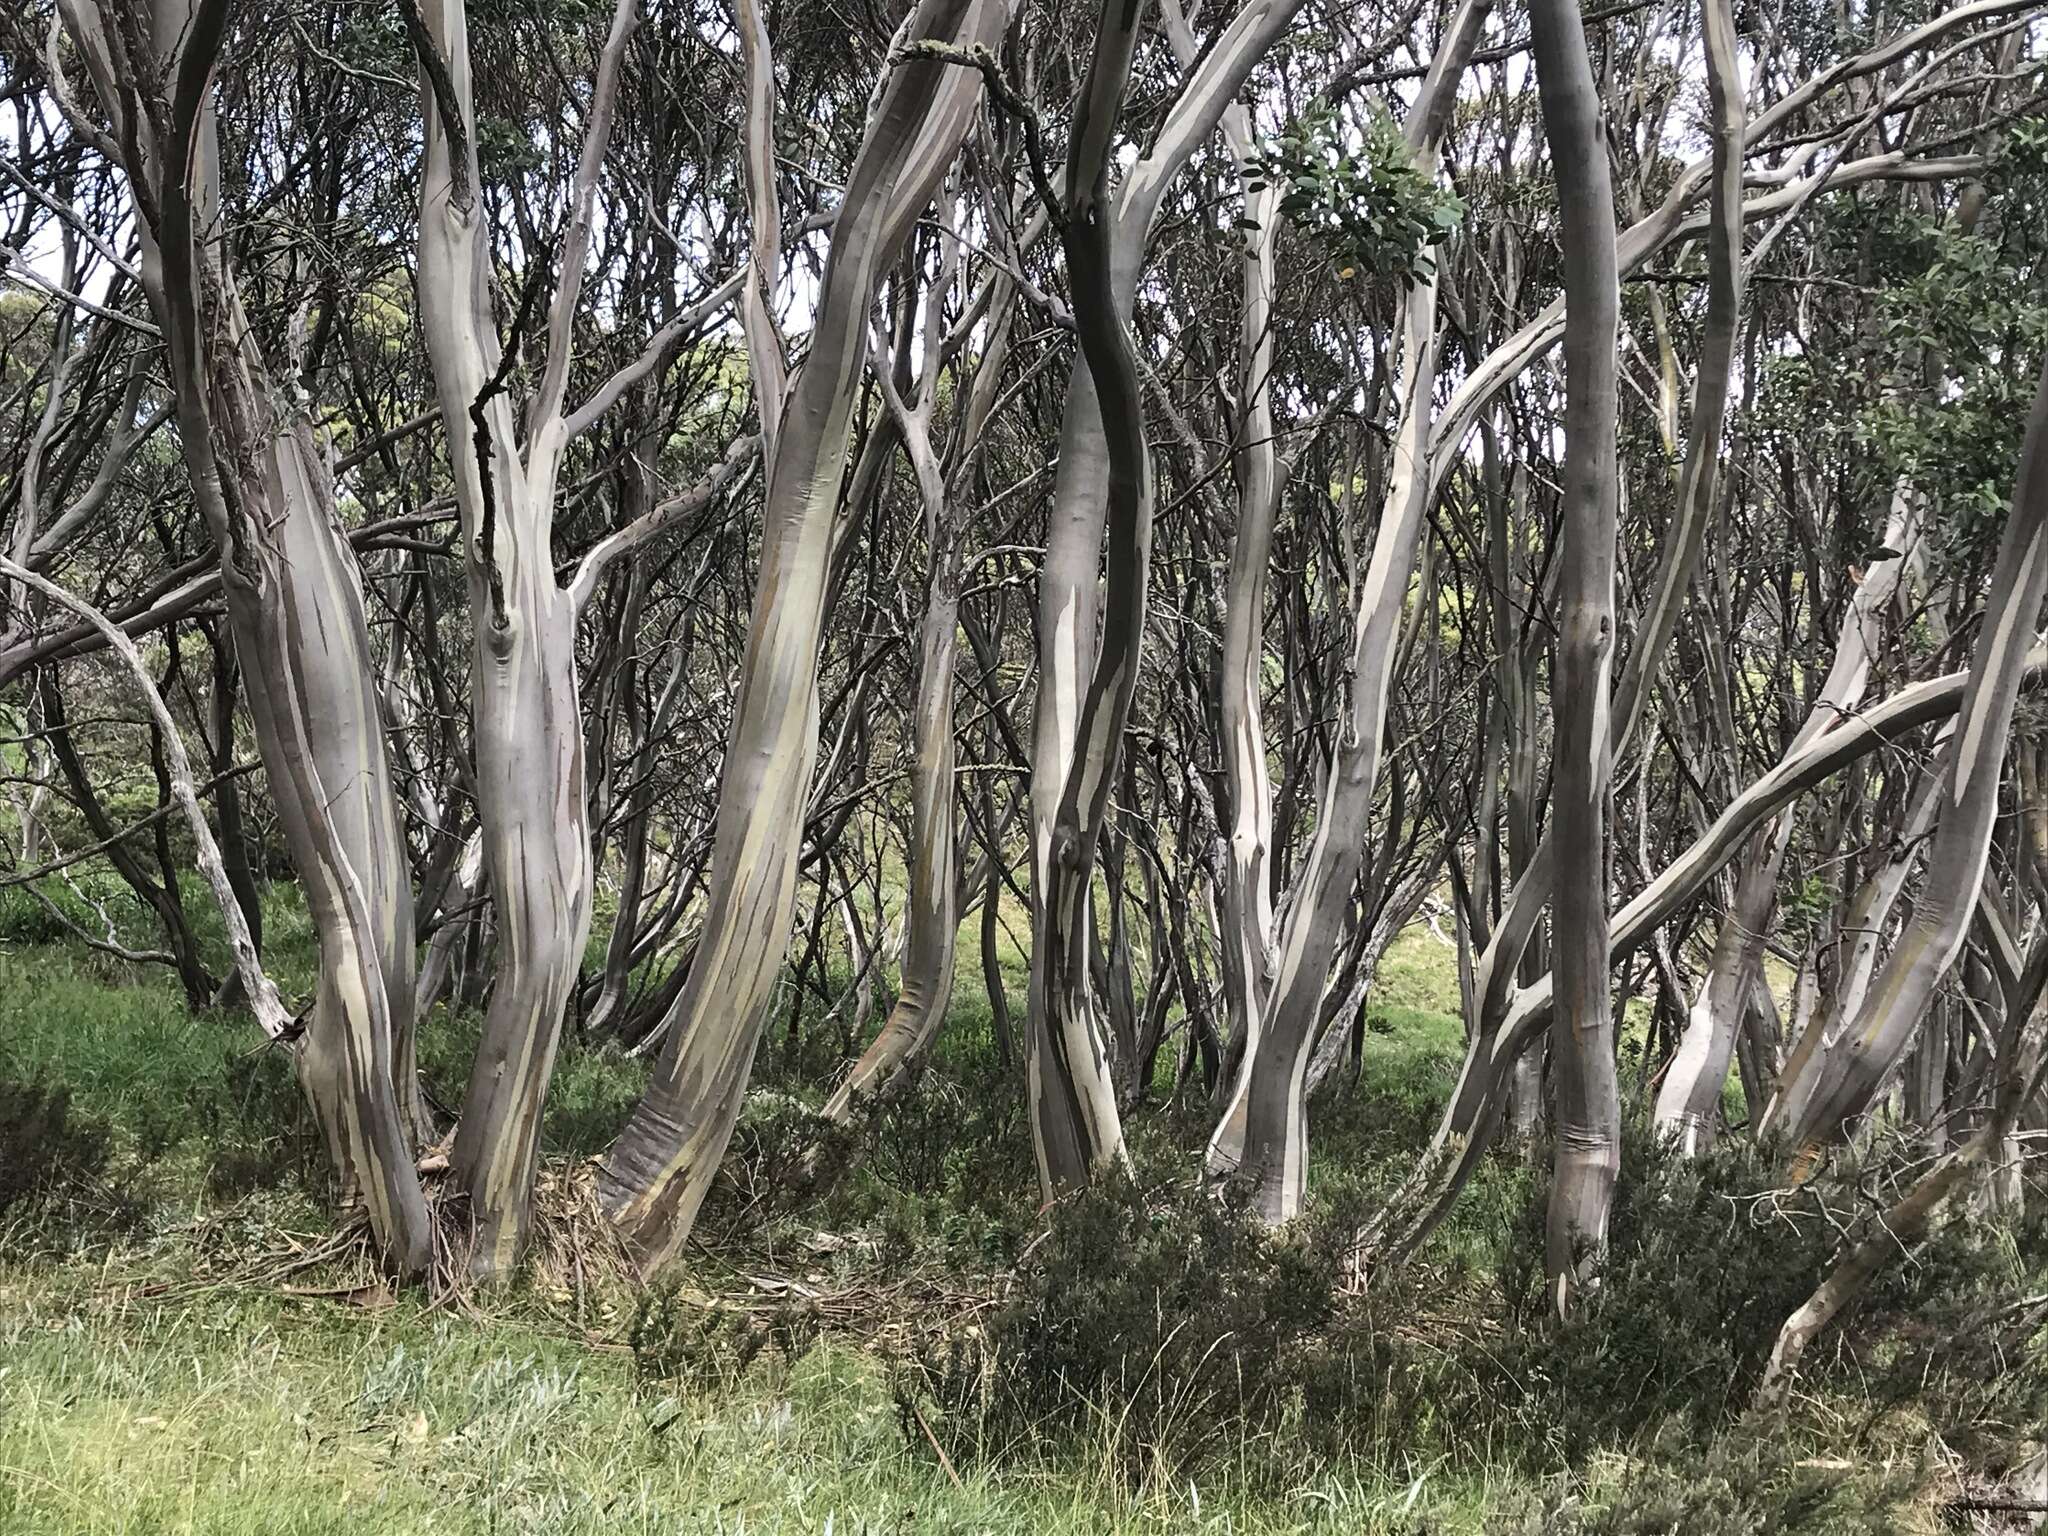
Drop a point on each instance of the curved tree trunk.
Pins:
(1262, 1135)
(658, 1170)
(532, 808)
(1075, 1124)
(295, 605)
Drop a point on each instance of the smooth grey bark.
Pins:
(1476, 1099)
(1688, 1101)
(1582, 1035)
(657, 1172)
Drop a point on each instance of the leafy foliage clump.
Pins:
(1708, 1257)
(1365, 205)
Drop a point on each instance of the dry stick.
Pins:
(262, 993)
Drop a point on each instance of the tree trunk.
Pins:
(1896, 1006)
(659, 1169)
(1582, 1033)
(1262, 1136)
(295, 605)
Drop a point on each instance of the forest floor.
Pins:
(185, 1348)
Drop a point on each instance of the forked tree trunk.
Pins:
(1076, 1127)
(1262, 1136)
(532, 808)
(932, 916)
(1075, 1123)
(657, 1172)
(295, 605)
(1246, 895)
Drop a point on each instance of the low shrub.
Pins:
(1144, 1318)
(45, 1148)
(1752, 1480)
(680, 1339)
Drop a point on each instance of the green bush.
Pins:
(44, 1147)
(1702, 1268)
(680, 1339)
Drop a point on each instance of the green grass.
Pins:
(235, 1412)
(240, 1409)
(149, 1382)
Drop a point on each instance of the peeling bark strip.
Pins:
(295, 604)
(1262, 1137)
(529, 734)
(658, 1170)
(1582, 753)
(1896, 1006)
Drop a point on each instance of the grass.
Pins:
(138, 1395)
(151, 1382)
(235, 1413)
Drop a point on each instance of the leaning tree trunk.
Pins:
(295, 605)
(1262, 1136)
(657, 1172)
(932, 918)
(1582, 1033)
(1902, 1224)
(1896, 1007)
(1864, 926)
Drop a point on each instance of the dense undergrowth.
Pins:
(934, 1341)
